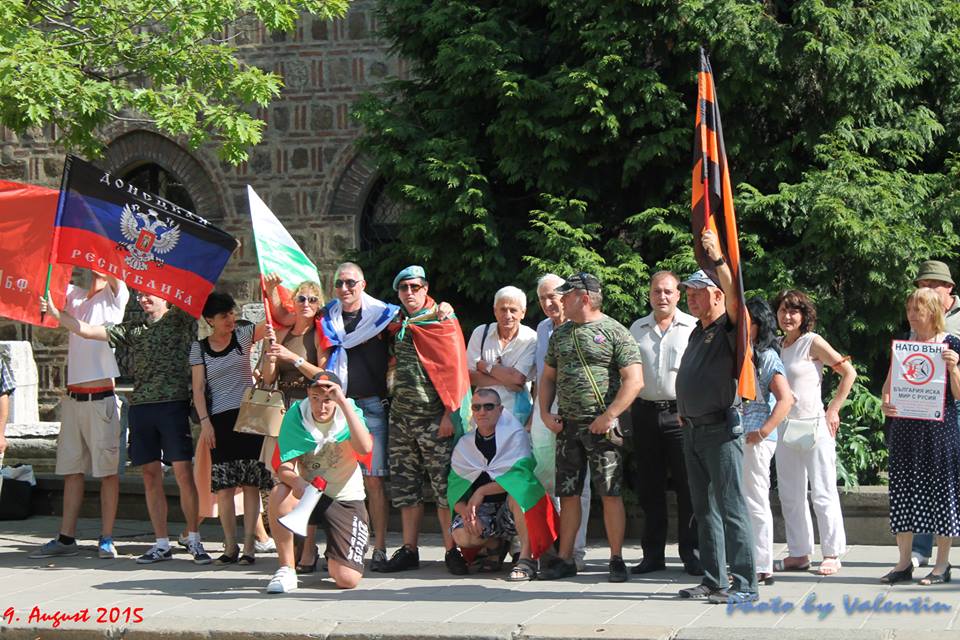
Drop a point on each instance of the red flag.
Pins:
(713, 210)
(27, 214)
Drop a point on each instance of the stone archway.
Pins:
(360, 198)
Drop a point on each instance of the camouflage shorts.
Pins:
(576, 448)
(416, 450)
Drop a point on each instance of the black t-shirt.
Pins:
(366, 363)
(488, 447)
(705, 380)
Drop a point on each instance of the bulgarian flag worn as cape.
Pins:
(298, 435)
(443, 354)
(512, 468)
(279, 253)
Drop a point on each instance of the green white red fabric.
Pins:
(277, 251)
(512, 468)
(299, 436)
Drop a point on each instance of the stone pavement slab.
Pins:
(176, 599)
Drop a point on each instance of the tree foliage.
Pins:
(80, 64)
(548, 134)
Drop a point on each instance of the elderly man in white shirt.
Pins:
(657, 432)
(500, 354)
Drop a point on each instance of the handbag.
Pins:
(261, 411)
(800, 433)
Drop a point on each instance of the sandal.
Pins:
(308, 568)
(524, 571)
(781, 566)
(246, 560)
(493, 562)
(936, 578)
(228, 558)
(765, 579)
(829, 567)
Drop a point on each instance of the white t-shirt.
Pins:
(93, 359)
(519, 353)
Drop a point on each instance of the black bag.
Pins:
(15, 500)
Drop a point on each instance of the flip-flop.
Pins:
(780, 566)
(829, 567)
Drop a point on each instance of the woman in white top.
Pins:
(804, 355)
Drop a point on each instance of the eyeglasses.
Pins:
(311, 299)
(486, 406)
(412, 288)
(349, 284)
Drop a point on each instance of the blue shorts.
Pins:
(375, 413)
(160, 431)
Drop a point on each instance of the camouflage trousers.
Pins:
(576, 447)
(417, 450)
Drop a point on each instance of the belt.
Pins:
(717, 417)
(662, 405)
(86, 397)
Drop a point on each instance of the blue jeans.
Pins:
(714, 472)
(923, 544)
(375, 415)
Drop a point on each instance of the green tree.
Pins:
(547, 134)
(80, 64)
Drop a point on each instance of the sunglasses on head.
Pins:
(311, 299)
(413, 288)
(349, 284)
(486, 406)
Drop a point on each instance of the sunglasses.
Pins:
(311, 299)
(486, 406)
(413, 288)
(349, 284)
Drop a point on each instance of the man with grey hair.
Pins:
(500, 354)
(543, 440)
(592, 368)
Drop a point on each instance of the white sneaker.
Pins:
(283, 581)
(265, 547)
(919, 560)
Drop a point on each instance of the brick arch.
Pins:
(135, 148)
(351, 192)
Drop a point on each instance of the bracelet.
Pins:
(204, 418)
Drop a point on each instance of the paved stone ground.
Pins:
(178, 597)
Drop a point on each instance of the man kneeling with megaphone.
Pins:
(321, 441)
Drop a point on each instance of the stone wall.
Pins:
(306, 169)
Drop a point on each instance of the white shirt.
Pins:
(660, 353)
(519, 353)
(93, 359)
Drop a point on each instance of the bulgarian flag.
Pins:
(278, 252)
(512, 468)
(299, 433)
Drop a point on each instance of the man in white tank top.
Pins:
(89, 440)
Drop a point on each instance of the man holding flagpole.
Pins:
(355, 324)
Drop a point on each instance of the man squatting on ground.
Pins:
(89, 440)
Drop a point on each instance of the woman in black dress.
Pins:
(925, 455)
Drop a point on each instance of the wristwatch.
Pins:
(719, 261)
(298, 362)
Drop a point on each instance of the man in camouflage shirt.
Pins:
(159, 410)
(421, 433)
(591, 399)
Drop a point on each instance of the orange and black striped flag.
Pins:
(713, 210)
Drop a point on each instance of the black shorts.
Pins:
(345, 524)
(160, 431)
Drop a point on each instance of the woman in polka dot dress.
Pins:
(925, 456)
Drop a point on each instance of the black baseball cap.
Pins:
(583, 281)
(325, 377)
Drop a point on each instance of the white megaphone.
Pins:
(298, 519)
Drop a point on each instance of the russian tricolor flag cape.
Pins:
(106, 224)
(512, 468)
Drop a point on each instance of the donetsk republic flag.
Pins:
(106, 224)
(512, 468)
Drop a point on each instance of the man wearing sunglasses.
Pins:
(431, 393)
(355, 324)
(592, 368)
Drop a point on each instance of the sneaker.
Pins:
(699, 592)
(155, 554)
(916, 558)
(55, 548)
(199, 555)
(183, 539)
(283, 581)
(106, 549)
(402, 559)
(618, 570)
(265, 547)
(378, 561)
(726, 596)
(455, 562)
(559, 569)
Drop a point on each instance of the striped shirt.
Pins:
(228, 372)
